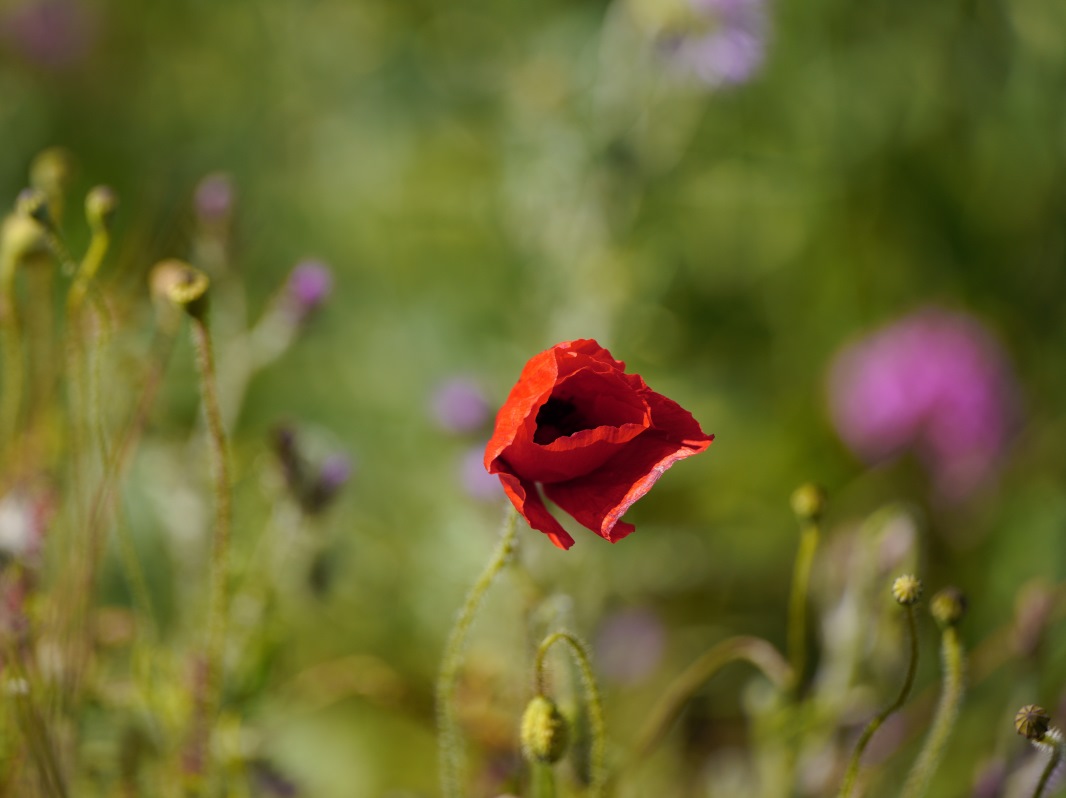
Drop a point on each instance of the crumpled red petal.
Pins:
(527, 501)
(599, 500)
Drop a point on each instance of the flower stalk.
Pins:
(451, 754)
(947, 607)
(1034, 724)
(598, 764)
(907, 590)
(808, 503)
(753, 650)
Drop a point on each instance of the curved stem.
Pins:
(450, 742)
(598, 765)
(946, 713)
(208, 699)
(1052, 740)
(797, 608)
(875, 724)
(754, 650)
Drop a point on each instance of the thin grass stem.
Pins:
(451, 754)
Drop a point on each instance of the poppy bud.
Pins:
(52, 170)
(22, 238)
(907, 589)
(33, 202)
(1032, 722)
(545, 732)
(100, 205)
(808, 502)
(948, 606)
(179, 283)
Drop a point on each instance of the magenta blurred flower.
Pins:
(459, 405)
(728, 45)
(52, 34)
(214, 198)
(935, 382)
(309, 286)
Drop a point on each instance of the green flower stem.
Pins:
(875, 724)
(750, 649)
(450, 743)
(543, 781)
(19, 691)
(1053, 741)
(39, 338)
(954, 664)
(208, 698)
(797, 608)
(598, 765)
(14, 365)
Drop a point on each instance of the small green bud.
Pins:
(948, 606)
(100, 205)
(52, 170)
(1032, 722)
(177, 282)
(907, 589)
(22, 238)
(545, 732)
(808, 502)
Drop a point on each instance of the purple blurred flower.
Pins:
(728, 44)
(936, 382)
(459, 406)
(53, 34)
(214, 198)
(313, 486)
(478, 482)
(309, 286)
(629, 645)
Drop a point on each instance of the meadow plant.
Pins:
(105, 700)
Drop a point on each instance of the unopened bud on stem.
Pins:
(178, 282)
(1032, 722)
(948, 606)
(545, 732)
(808, 503)
(100, 205)
(907, 589)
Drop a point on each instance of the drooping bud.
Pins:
(808, 502)
(180, 284)
(52, 169)
(33, 202)
(22, 238)
(907, 589)
(545, 732)
(100, 205)
(1032, 722)
(948, 606)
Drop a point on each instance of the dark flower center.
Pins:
(558, 418)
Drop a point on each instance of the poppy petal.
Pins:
(527, 501)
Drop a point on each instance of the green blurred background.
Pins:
(486, 179)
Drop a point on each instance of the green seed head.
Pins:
(907, 589)
(948, 606)
(808, 502)
(1032, 722)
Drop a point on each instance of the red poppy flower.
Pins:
(593, 436)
